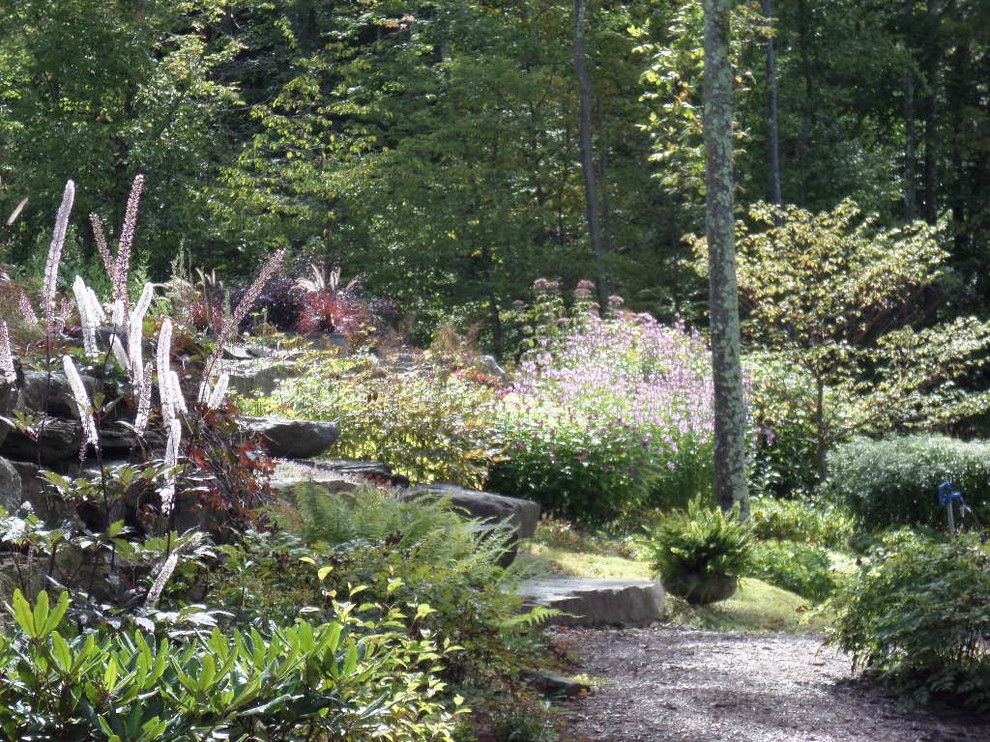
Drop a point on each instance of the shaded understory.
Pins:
(682, 685)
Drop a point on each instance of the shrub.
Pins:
(802, 569)
(612, 418)
(917, 617)
(893, 481)
(781, 404)
(693, 545)
(426, 426)
(347, 679)
(803, 522)
(419, 552)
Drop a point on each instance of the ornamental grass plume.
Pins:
(55, 256)
(91, 315)
(118, 268)
(231, 324)
(8, 372)
(144, 401)
(83, 404)
(135, 335)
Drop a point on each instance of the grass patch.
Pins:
(543, 560)
(756, 606)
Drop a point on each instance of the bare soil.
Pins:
(682, 685)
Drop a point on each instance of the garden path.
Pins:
(682, 685)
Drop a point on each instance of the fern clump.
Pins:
(424, 551)
(699, 552)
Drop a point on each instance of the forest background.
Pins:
(447, 153)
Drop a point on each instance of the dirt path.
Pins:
(677, 685)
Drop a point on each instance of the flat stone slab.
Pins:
(293, 439)
(488, 507)
(291, 477)
(597, 602)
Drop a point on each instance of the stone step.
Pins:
(592, 602)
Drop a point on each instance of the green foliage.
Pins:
(917, 618)
(419, 552)
(524, 722)
(346, 679)
(893, 481)
(697, 543)
(427, 424)
(830, 299)
(610, 416)
(802, 569)
(817, 524)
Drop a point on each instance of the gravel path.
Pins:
(679, 685)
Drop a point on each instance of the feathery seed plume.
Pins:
(55, 255)
(7, 371)
(83, 404)
(27, 311)
(144, 401)
(123, 262)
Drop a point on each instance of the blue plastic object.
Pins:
(946, 494)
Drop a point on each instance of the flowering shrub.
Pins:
(613, 418)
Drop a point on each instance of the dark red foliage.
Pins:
(331, 312)
(206, 315)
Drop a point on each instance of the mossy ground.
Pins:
(757, 606)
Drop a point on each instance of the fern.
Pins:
(531, 619)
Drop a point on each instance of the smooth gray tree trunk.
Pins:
(730, 408)
(586, 145)
(773, 116)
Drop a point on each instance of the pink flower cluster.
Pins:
(625, 373)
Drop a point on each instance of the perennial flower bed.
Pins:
(614, 417)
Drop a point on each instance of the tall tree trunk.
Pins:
(587, 148)
(932, 62)
(773, 117)
(730, 409)
(608, 233)
(910, 151)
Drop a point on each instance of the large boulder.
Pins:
(10, 397)
(11, 491)
(256, 375)
(293, 439)
(52, 392)
(588, 602)
(59, 441)
(487, 507)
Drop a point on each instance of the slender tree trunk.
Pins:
(730, 409)
(910, 151)
(821, 432)
(608, 233)
(587, 148)
(932, 61)
(773, 117)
